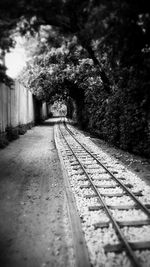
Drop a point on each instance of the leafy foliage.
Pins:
(3, 77)
(96, 52)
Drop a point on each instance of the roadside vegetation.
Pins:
(96, 53)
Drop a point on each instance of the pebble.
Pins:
(97, 239)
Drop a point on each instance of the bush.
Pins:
(11, 133)
(120, 118)
(3, 140)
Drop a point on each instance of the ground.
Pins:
(34, 225)
(137, 164)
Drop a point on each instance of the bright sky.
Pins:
(15, 60)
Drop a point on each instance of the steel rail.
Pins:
(125, 243)
(129, 192)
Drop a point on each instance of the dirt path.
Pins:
(34, 226)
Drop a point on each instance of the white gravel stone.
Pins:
(111, 190)
(137, 233)
(129, 215)
(97, 239)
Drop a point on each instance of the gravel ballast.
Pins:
(99, 238)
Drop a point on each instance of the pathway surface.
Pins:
(34, 225)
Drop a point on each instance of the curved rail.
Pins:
(123, 239)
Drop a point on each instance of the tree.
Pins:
(61, 72)
(101, 59)
(110, 23)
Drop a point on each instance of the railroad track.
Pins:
(99, 182)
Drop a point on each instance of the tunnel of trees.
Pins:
(94, 53)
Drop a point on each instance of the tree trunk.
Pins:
(102, 73)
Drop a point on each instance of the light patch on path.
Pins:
(34, 226)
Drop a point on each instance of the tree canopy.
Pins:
(115, 29)
(95, 51)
